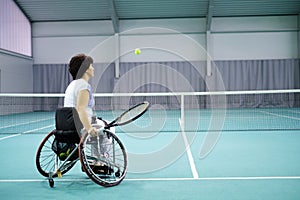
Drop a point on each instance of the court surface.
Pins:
(253, 163)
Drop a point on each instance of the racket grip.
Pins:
(100, 129)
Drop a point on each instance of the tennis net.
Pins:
(262, 110)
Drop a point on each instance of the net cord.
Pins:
(157, 93)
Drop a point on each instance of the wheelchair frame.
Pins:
(109, 173)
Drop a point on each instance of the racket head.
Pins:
(130, 115)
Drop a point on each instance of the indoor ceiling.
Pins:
(115, 10)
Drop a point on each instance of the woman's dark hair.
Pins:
(79, 64)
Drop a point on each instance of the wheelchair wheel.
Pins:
(46, 159)
(103, 158)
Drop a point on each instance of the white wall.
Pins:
(166, 47)
(52, 50)
(57, 42)
(16, 74)
(241, 46)
(168, 39)
(254, 38)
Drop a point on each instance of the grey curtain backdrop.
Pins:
(162, 77)
(180, 77)
(50, 78)
(259, 74)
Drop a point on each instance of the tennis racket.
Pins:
(130, 115)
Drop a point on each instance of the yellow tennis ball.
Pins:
(137, 51)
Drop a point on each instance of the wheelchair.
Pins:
(103, 158)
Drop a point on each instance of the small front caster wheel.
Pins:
(51, 182)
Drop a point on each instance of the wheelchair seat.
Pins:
(68, 125)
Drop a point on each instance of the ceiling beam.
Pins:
(209, 15)
(113, 15)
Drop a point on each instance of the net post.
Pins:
(182, 111)
(117, 62)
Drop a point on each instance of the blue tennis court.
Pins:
(256, 156)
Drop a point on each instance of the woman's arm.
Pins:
(82, 102)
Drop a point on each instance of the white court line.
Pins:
(219, 178)
(3, 138)
(38, 129)
(293, 111)
(29, 131)
(189, 153)
(30, 122)
(278, 115)
(241, 178)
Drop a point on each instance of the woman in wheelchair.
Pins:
(79, 92)
(101, 153)
(79, 95)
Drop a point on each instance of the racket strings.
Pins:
(133, 113)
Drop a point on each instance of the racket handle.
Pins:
(100, 129)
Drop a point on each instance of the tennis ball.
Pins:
(137, 51)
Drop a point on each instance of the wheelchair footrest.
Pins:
(102, 169)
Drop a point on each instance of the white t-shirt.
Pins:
(72, 92)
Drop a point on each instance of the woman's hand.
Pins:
(93, 131)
